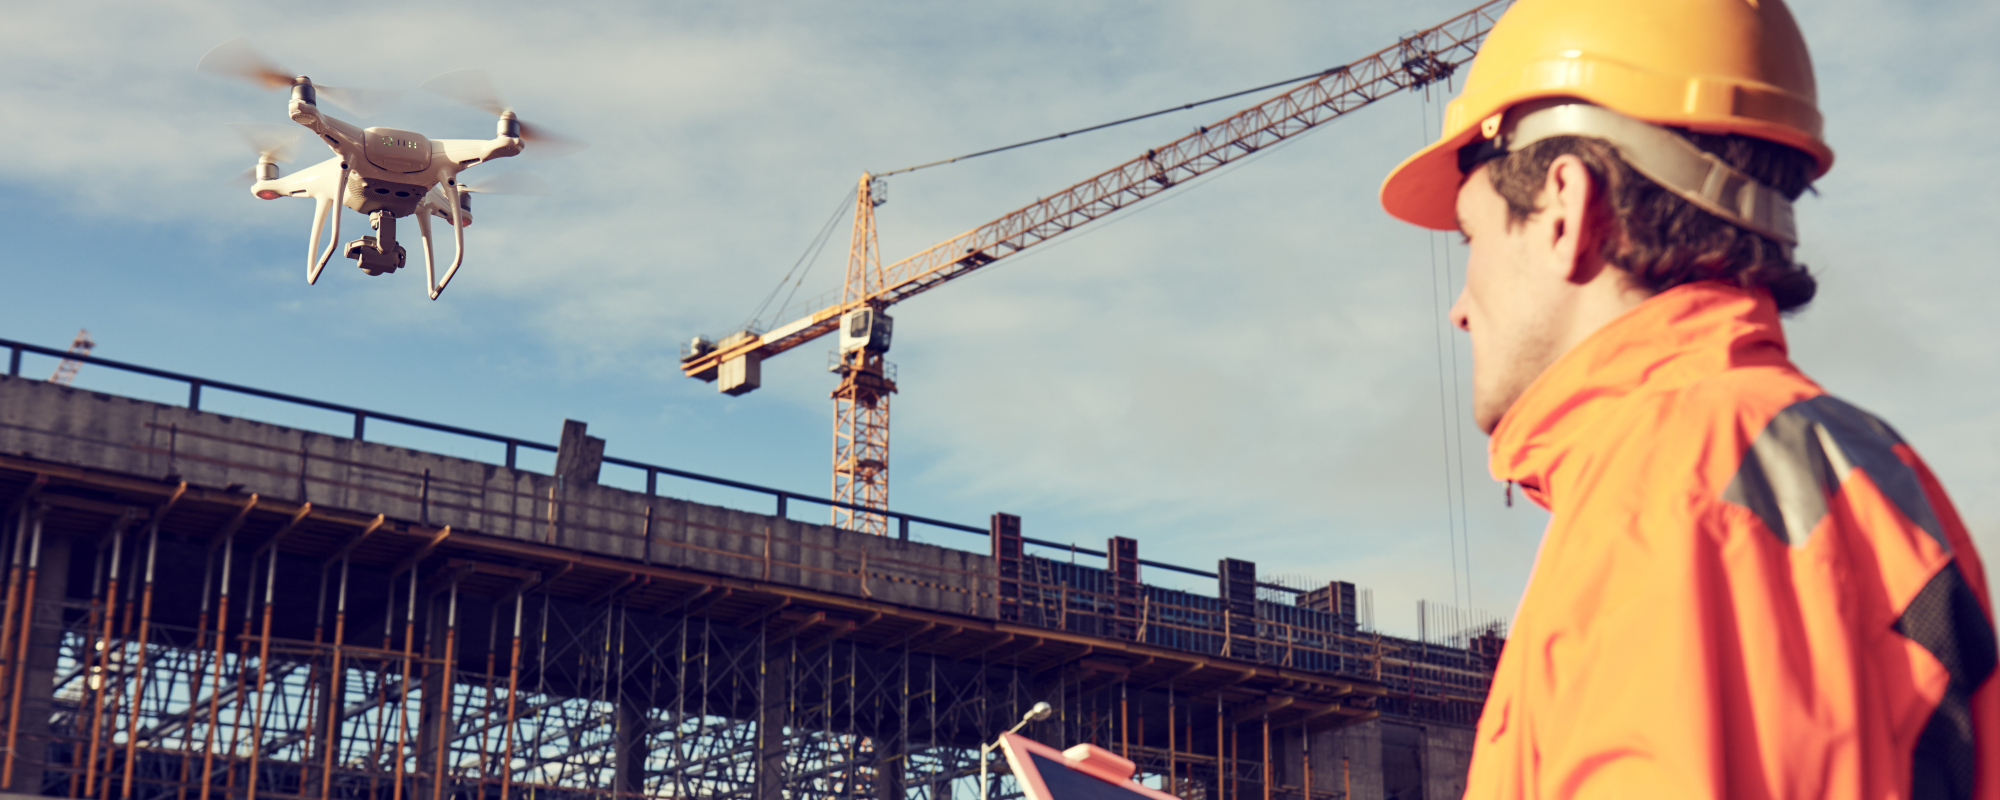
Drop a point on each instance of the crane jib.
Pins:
(1418, 60)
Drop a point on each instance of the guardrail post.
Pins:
(14, 363)
(904, 533)
(360, 421)
(781, 504)
(652, 482)
(194, 395)
(510, 454)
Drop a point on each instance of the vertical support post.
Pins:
(215, 684)
(1306, 760)
(194, 395)
(10, 658)
(441, 756)
(510, 454)
(1269, 779)
(335, 689)
(1172, 744)
(1124, 723)
(360, 424)
(18, 664)
(144, 663)
(513, 688)
(630, 751)
(14, 362)
(101, 675)
(774, 676)
(403, 688)
(1221, 753)
(263, 672)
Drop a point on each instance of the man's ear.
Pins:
(1568, 194)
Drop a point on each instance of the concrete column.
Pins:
(630, 753)
(1350, 758)
(772, 704)
(434, 707)
(38, 684)
(889, 763)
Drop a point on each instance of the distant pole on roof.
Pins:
(65, 373)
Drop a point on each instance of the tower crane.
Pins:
(861, 400)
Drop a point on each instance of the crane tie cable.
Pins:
(1115, 123)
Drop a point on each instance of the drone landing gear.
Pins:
(376, 256)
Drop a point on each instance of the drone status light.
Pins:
(268, 194)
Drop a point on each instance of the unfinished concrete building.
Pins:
(202, 607)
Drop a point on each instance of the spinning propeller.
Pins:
(516, 182)
(237, 59)
(273, 143)
(473, 88)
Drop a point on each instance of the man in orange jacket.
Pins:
(1748, 587)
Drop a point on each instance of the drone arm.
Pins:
(457, 236)
(327, 206)
(423, 216)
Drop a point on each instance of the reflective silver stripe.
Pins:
(1804, 455)
(1674, 163)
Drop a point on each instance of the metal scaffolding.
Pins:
(163, 641)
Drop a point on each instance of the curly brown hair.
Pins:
(1659, 238)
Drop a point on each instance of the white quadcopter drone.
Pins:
(385, 173)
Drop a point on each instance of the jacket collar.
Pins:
(1672, 339)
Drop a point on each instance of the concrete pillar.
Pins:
(774, 692)
(889, 764)
(629, 767)
(433, 680)
(1447, 758)
(1350, 758)
(38, 684)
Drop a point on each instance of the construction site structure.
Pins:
(861, 403)
(200, 607)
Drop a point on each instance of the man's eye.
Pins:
(1464, 239)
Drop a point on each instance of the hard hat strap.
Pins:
(1671, 161)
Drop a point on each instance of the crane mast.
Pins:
(861, 402)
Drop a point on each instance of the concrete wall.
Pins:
(119, 434)
(1442, 754)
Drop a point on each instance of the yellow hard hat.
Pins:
(1712, 66)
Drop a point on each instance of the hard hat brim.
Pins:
(1423, 190)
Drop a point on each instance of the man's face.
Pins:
(1512, 303)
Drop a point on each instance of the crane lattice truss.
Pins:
(861, 415)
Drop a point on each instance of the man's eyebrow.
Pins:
(1458, 220)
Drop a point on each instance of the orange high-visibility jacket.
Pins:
(1749, 588)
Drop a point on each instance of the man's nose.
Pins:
(1458, 313)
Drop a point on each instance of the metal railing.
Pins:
(361, 417)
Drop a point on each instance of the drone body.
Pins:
(385, 173)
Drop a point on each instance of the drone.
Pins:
(385, 173)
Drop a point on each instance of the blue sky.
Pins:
(1245, 368)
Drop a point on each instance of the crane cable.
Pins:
(1116, 123)
(1451, 421)
(806, 259)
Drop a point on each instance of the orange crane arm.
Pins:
(1418, 60)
